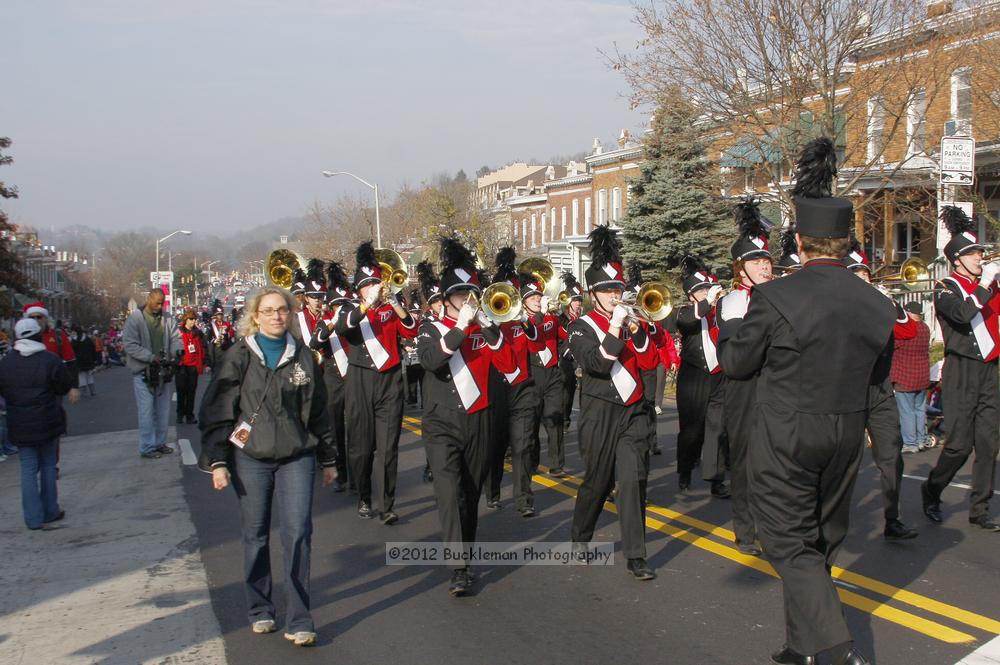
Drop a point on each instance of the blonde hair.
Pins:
(247, 326)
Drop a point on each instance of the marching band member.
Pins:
(430, 289)
(221, 332)
(732, 404)
(814, 365)
(649, 362)
(788, 260)
(883, 412)
(614, 427)
(303, 325)
(457, 351)
(335, 366)
(699, 370)
(374, 398)
(967, 307)
(572, 311)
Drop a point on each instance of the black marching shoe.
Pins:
(494, 504)
(684, 481)
(556, 472)
(751, 548)
(527, 511)
(461, 582)
(852, 658)
(896, 530)
(932, 508)
(984, 522)
(365, 511)
(640, 570)
(389, 518)
(720, 490)
(788, 657)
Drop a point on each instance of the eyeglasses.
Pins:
(271, 311)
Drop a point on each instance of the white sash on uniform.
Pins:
(465, 383)
(339, 355)
(708, 346)
(375, 349)
(624, 383)
(979, 329)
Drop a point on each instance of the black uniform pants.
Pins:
(549, 381)
(414, 379)
(971, 406)
(887, 445)
(336, 389)
(499, 431)
(649, 399)
(458, 450)
(694, 386)
(614, 443)
(568, 368)
(727, 439)
(802, 470)
(374, 410)
(186, 380)
(521, 408)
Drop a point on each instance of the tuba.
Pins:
(281, 265)
(543, 271)
(395, 273)
(501, 302)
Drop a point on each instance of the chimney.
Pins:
(623, 138)
(596, 148)
(283, 240)
(937, 8)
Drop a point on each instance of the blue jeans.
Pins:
(912, 416)
(154, 413)
(39, 502)
(257, 483)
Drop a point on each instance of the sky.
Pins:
(222, 114)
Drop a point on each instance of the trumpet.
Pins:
(652, 303)
(395, 273)
(501, 302)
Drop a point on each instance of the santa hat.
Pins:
(36, 307)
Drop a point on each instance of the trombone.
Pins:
(652, 303)
(395, 273)
(912, 273)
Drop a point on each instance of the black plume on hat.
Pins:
(506, 272)
(815, 170)
(605, 271)
(572, 285)
(695, 274)
(955, 220)
(963, 240)
(458, 266)
(366, 265)
(337, 286)
(298, 281)
(634, 275)
(217, 307)
(752, 241)
(365, 255)
(315, 284)
(789, 257)
(429, 285)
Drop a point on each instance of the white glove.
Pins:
(545, 304)
(465, 315)
(373, 295)
(713, 293)
(483, 320)
(524, 316)
(618, 316)
(990, 272)
(734, 306)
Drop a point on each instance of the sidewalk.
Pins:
(121, 580)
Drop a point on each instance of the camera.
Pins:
(160, 371)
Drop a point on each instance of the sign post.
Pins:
(958, 160)
(165, 281)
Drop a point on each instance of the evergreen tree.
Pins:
(674, 206)
(11, 275)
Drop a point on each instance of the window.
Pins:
(602, 207)
(534, 223)
(542, 230)
(576, 217)
(907, 240)
(616, 204)
(524, 233)
(587, 214)
(564, 221)
(876, 129)
(749, 180)
(916, 121)
(961, 100)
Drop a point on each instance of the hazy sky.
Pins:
(222, 113)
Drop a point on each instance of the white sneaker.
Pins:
(658, 410)
(263, 626)
(303, 638)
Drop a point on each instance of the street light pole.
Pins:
(164, 238)
(378, 223)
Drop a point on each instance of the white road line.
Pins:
(961, 485)
(988, 654)
(187, 452)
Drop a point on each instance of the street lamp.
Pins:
(378, 225)
(164, 238)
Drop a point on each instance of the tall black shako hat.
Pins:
(634, 276)
(695, 274)
(572, 286)
(752, 242)
(506, 272)
(366, 266)
(818, 213)
(217, 307)
(789, 260)
(856, 258)
(298, 282)
(458, 267)
(430, 287)
(963, 240)
(605, 271)
(315, 282)
(338, 289)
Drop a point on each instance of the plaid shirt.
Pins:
(911, 361)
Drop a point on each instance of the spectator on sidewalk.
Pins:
(191, 366)
(86, 357)
(55, 340)
(910, 376)
(152, 345)
(102, 356)
(32, 381)
(264, 420)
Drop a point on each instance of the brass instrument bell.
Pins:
(281, 265)
(912, 273)
(543, 271)
(395, 273)
(501, 302)
(654, 301)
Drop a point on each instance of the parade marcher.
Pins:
(152, 346)
(813, 365)
(430, 290)
(699, 371)
(883, 414)
(520, 401)
(572, 311)
(414, 372)
(56, 341)
(32, 383)
(910, 376)
(544, 343)
(614, 425)
(190, 367)
(264, 426)
(221, 333)
(732, 405)
(457, 350)
(967, 306)
(303, 324)
(86, 355)
(788, 259)
(374, 397)
(650, 362)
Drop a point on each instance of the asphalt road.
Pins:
(928, 601)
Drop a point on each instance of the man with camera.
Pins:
(152, 344)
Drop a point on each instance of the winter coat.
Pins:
(86, 353)
(32, 386)
(139, 348)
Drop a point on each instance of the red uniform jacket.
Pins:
(544, 339)
(374, 335)
(58, 343)
(610, 364)
(515, 338)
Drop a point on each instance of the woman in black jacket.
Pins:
(264, 425)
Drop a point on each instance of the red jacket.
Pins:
(59, 344)
(515, 338)
(544, 339)
(664, 345)
(194, 350)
